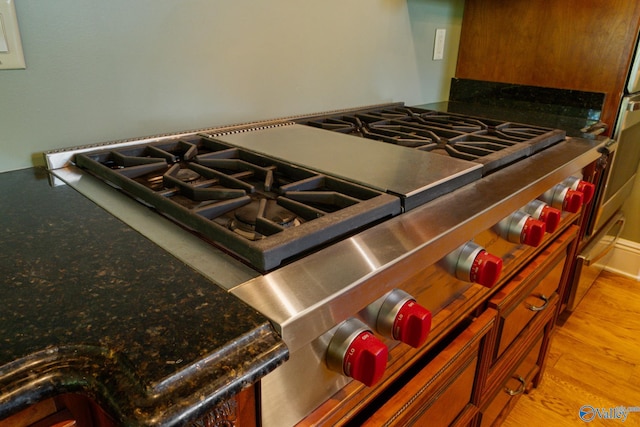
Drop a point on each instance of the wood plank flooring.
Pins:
(594, 360)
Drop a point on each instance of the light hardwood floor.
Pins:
(594, 360)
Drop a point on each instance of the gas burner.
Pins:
(260, 218)
(154, 182)
(187, 175)
(492, 143)
(264, 209)
(261, 209)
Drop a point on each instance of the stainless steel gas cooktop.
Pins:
(269, 194)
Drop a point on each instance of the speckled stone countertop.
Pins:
(569, 110)
(90, 306)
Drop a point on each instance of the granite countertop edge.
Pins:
(104, 377)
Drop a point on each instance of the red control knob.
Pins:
(533, 232)
(562, 197)
(400, 317)
(572, 201)
(486, 269)
(412, 325)
(551, 217)
(471, 263)
(586, 188)
(366, 359)
(355, 352)
(520, 227)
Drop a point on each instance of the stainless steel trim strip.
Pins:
(633, 79)
(61, 158)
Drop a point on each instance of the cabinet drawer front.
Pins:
(513, 385)
(453, 400)
(530, 292)
(442, 388)
(532, 305)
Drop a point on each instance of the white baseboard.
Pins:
(625, 259)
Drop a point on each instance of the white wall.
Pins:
(106, 70)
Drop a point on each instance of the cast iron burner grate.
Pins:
(492, 143)
(263, 210)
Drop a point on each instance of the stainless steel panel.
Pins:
(385, 167)
(633, 81)
(293, 378)
(613, 204)
(625, 161)
(593, 259)
(295, 389)
(308, 297)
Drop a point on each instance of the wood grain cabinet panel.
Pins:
(528, 304)
(31, 415)
(531, 291)
(66, 410)
(514, 384)
(527, 307)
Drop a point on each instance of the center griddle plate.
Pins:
(416, 176)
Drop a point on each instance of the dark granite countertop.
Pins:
(571, 125)
(90, 306)
(568, 110)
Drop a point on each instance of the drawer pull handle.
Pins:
(538, 307)
(520, 390)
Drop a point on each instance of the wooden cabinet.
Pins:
(39, 411)
(67, 410)
(73, 410)
(527, 307)
(531, 293)
(582, 45)
(512, 386)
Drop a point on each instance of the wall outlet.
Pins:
(438, 45)
(11, 55)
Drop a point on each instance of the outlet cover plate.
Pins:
(11, 54)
